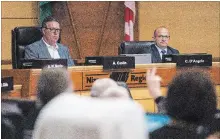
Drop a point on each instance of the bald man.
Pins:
(161, 38)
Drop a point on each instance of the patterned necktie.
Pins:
(163, 52)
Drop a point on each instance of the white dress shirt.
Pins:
(52, 50)
(159, 50)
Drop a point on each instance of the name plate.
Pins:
(44, 63)
(188, 60)
(169, 58)
(94, 60)
(118, 62)
(7, 84)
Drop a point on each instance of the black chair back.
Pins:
(21, 37)
(15, 117)
(135, 47)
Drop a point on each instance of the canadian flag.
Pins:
(129, 20)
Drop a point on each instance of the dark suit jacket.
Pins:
(176, 132)
(12, 120)
(155, 55)
(39, 49)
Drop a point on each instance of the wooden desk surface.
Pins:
(84, 76)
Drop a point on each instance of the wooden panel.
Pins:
(85, 93)
(16, 93)
(147, 104)
(28, 79)
(85, 76)
(218, 90)
(34, 97)
(143, 93)
(215, 73)
(19, 9)
(34, 76)
(113, 32)
(7, 26)
(218, 106)
(77, 79)
(218, 95)
(90, 76)
(6, 66)
(137, 77)
(61, 11)
(91, 33)
(194, 26)
(103, 34)
(20, 77)
(137, 93)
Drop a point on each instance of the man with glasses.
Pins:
(48, 47)
(161, 38)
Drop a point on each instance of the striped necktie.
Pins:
(163, 52)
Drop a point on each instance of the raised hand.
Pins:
(153, 83)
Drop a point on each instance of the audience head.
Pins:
(52, 82)
(108, 88)
(115, 92)
(161, 37)
(51, 30)
(100, 85)
(191, 97)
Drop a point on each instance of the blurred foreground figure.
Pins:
(108, 88)
(191, 103)
(69, 116)
(11, 118)
(51, 83)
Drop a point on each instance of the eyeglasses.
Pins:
(161, 37)
(53, 30)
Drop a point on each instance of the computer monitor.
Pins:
(141, 58)
(135, 47)
(94, 60)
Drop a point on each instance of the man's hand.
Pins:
(153, 83)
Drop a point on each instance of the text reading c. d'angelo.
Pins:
(194, 61)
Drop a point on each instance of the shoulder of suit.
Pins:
(35, 44)
(62, 46)
(172, 49)
(153, 47)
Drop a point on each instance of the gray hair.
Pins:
(115, 92)
(100, 85)
(51, 83)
